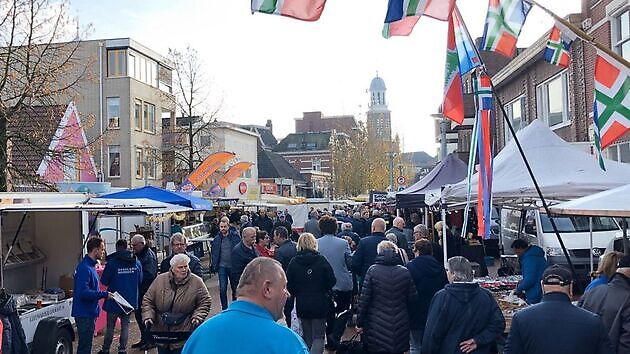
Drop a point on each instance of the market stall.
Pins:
(501, 289)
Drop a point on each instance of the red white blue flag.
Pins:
(485, 121)
(558, 46)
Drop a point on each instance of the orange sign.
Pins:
(207, 167)
(232, 174)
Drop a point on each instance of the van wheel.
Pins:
(63, 344)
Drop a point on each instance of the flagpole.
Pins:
(527, 165)
(583, 35)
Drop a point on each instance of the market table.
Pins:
(501, 287)
(476, 253)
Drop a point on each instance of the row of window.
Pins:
(621, 34)
(126, 62)
(144, 114)
(146, 161)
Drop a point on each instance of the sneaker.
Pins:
(138, 345)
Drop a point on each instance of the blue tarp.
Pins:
(163, 195)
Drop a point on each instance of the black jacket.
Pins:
(358, 226)
(285, 224)
(401, 239)
(429, 277)
(148, 260)
(285, 253)
(264, 224)
(383, 310)
(194, 265)
(365, 255)
(241, 256)
(612, 303)
(13, 337)
(310, 279)
(556, 326)
(459, 312)
(353, 235)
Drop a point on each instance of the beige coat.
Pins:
(191, 297)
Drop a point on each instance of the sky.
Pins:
(271, 67)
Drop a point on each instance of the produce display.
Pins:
(502, 289)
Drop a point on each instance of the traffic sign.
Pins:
(401, 180)
(401, 188)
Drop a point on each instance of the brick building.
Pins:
(313, 122)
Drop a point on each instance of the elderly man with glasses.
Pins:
(178, 246)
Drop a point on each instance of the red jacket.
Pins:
(264, 251)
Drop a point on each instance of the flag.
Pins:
(558, 45)
(402, 15)
(611, 112)
(504, 21)
(207, 167)
(306, 10)
(483, 92)
(232, 173)
(461, 58)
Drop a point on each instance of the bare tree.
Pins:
(40, 68)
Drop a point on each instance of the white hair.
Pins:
(346, 226)
(179, 259)
(392, 237)
(137, 238)
(386, 245)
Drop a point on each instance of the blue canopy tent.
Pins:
(164, 196)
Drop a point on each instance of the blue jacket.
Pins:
(86, 293)
(215, 249)
(429, 277)
(148, 260)
(533, 264)
(223, 333)
(123, 273)
(365, 254)
(337, 252)
(241, 256)
(556, 326)
(602, 279)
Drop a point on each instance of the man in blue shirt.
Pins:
(262, 294)
(85, 308)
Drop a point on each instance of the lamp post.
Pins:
(391, 155)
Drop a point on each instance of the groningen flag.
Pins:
(611, 109)
(483, 92)
(558, 46)
(503, 25)
(402, 15)
(306, 10)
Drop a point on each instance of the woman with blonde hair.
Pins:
(605, 270)
(310, 279)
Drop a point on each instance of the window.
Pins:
(151, 160)
(114, 161)
(137, 115)
(316, 164)
(149, 117)
(113, 112)
(131, 67)
(568, 224)
(619, 152)
(621, 34)
(516, 113)
(116, 63)
(553, 100)
(143, 69)
(292, 146)
(139, 166)
(247, 173)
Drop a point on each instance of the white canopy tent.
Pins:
(613, 202)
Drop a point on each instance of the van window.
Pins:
(568, 224)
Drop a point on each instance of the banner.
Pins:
(207, 168)
(232, 174)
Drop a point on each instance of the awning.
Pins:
(163, 195)
(613, 202)
(149, 206)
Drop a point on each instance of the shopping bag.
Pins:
(296, 324)
(351, 346)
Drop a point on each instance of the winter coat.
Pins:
(429, 277)
(148, 260)
(241, 256)
(365, 255)
(215, 248)
(533, 264)
(122, 274)
(86, 290)
(285, 224)
(337, 253)
(459, 312)
(13, 337)
(285, 253)
(401, 239)
(556, 326)
(194, 265)
(353, 235)
(358, 226)
(265, 224)
(312, 226)
(602, 279)
(310, 279)
(612, 303)
(383, 310)
(189, 296)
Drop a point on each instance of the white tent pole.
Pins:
(590, 228)
(444, 232)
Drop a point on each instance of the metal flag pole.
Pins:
(444, 246)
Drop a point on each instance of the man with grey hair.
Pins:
(451, 326)
(421, 231)
(178, 246)
(244, 252)
(312, 225)
(397, 229)
(358, 224)
(347, 230)
(148, 260)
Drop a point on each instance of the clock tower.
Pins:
(379, 124)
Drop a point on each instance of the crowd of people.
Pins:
(394, 281)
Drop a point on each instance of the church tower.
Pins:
(379, 124)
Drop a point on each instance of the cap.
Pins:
(624, 262)
(557, 275)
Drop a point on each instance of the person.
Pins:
(285, 248)
(365, 255)
(346, 230)
(245, 223)
(244, 252)
(402, 255)
(178, 246)
(555, 325)
(262, 244)
(262, 294)
(85, 308)
(420, 232)
(148, 261)
(358, 225)
(177, 301)
(312, 224)
(263, 222)
(221, 260)
(533, 264)
(605, 270)
(383, 311)
(612, 303)
(122, 274)
(282, 221)
(310, 279)
(429, 277)
(453, 243)
(398, 225)
(337, 252)
(452, 324)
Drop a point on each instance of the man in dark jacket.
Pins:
(429, 277)
(286, 249)
(401, 239)
(312, 224)
(612, 304)
(365, 254)
(122, 274)
(148, 260)
(178, 245)
(462, 317)
(243, 253)
(346, 230)
(555, 325)
(420, 231)
(282, 221)
(264, 223)
(533, 264)
(221, 260)
(85, 308)
(358, 224)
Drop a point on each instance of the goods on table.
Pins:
(502, 288)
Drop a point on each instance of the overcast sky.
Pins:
(271, 67)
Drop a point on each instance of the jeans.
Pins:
(109, 331)
(415, 341)
(85, 329)
(313, 331)
(164, 350)
(225, 274)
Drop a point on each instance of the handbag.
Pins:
(351, 346)
(170, 318)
